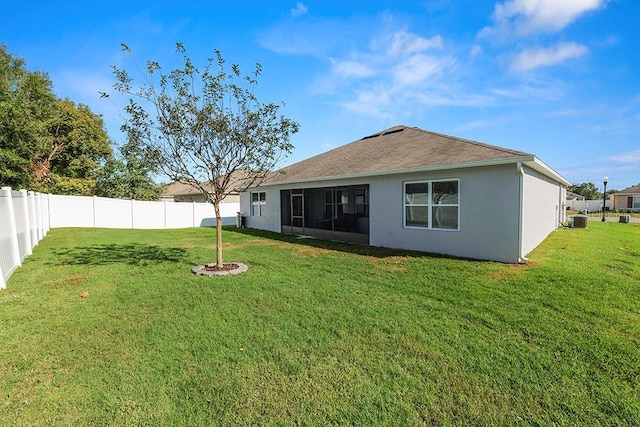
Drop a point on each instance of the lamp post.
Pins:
(604, 196)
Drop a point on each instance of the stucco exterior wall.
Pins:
(488, 227)
(270, 219)
(489, 218)
(543, 208)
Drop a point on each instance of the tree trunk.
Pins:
(216, 207)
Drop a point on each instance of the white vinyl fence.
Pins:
(26, 217)
(100, 212)
(24, 221)
(588, 205)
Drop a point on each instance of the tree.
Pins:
(26, 109)
(206, 127)
(587, 190)
(79, 144)
(46, 144)
(129, 175)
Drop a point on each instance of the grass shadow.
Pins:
(351, 248)
(130, 254)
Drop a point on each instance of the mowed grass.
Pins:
(319, 333)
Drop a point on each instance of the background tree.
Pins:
(78, 146)
(26, 109)
(206, 127)
(46, 144)
(129, 175)
(587, 189)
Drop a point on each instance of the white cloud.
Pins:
(631, 157)
(372, 101)
(526, 17)
(394, 68)
(405, 43)
(531, 59)
(385, 71)
(299, 10)
(351, 68)
(476, 50)
(417, 69)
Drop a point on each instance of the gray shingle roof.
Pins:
(395, 149)
(630, 190)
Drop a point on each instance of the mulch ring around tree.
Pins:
(213, 270)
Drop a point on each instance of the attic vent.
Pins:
(375, 135)
(372, 136)
(393, 131)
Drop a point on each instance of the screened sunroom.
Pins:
(335, 213)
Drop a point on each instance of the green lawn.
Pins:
(319, 333)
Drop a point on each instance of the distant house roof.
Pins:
(403, 149)
(573, 196)
(631, 190)
(180, 189)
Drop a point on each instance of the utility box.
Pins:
(624, 219)
(580, 221)
(241, 221)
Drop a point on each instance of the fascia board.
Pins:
(511, 160)
(540, 166)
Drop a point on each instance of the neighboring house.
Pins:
(179, 192)
(413, 189)
(574, 196)
(627, 199)
(229, 207)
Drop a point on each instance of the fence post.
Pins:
(94, 210)
(39, 216)
(13, 237)
(24, 199)
(32, 220)
(132, 213)
(3, 284)
(165, 214)
(49, 212)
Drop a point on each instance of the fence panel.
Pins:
(205, 215)
(71, 211)
(588, 205)
(149, 215)
(26, 217)
(112, 213)
(180, 215)
(22, 224)
(7, 260)
(23, 229)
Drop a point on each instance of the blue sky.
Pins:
(556, 78)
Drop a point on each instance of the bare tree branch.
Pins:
(208, 129)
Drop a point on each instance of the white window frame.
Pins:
(430, 205)
(635, 204)
(257, 206)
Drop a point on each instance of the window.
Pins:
(362, 202)
(636, 202)
(258, 202)
(431, 204)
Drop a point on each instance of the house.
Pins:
(627, 200)
(409, 188)
(229, 207)
(179, 192)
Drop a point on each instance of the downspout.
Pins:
(521, 258)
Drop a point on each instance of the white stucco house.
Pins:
(409, 188)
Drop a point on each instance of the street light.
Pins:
(604, 196)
